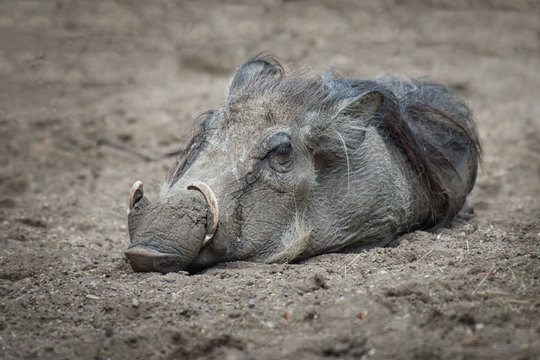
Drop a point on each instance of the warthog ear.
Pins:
(362, 108)
(345, 129)
(259, 66)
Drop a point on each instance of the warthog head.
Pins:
(291, 166)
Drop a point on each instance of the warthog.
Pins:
(297, 165)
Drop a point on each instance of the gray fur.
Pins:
(304, 164)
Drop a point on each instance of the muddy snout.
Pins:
(167, 236)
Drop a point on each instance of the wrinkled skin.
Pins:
(154, 229)
(298, 166)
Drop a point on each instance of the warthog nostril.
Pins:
(146, 259)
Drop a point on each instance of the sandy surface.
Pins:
(139, 72)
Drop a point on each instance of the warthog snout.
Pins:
(167, 236)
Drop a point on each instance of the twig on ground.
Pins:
(426, 254)
(494, 292)
(140, 153)
(490, 272)
(516, 301)
(344, 267)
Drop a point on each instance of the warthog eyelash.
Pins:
(281, 149)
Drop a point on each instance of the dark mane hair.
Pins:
(434, 127)
(413, 123)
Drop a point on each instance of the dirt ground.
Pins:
(73, 73)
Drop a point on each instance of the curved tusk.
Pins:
(213, 209)
(135, 194)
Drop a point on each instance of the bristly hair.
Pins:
(430, 161)
(192, 149)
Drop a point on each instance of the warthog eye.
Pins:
(275, 150)
(280, 157)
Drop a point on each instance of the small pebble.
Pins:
(235, 314)
(135, 303)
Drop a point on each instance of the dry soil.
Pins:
(73, 73)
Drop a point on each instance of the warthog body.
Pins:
(298, 165)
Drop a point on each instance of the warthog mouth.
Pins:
(147, 259)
